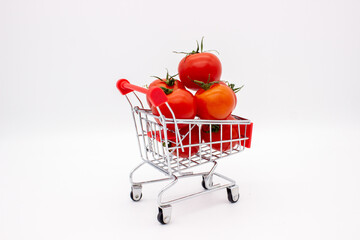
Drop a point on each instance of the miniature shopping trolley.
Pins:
(173, 151)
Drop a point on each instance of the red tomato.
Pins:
(175, 84)
(182, 103)
(228, 132)
(204, 67)
(169, 82)
(194, 139)
(245, 130)
(159, 135)
(216, 101)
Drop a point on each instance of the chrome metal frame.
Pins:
(160, 147)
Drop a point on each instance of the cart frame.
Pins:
(162, 145)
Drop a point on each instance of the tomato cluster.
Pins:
(213, 99)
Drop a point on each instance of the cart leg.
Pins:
(136, 188)
(164, 214)
(132, 172)
(174, 180)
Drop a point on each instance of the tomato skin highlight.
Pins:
(194, 139)
(228, 132)
(199, 66)
(182, 103)
(217, 102)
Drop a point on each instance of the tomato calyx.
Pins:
(199, 49)
(167, 145)
(167, 91)
(214, 128)
(233, 87)
(206, 85)
(169, 79)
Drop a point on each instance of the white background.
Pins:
(67, 142)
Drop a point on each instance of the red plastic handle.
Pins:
(126, 87)
(248, 133)
(246, 130)
(155, 94)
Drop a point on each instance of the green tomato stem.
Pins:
(167, 91)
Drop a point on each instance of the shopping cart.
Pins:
(171, 150)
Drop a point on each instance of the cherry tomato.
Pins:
(163, 83)
(194, 139)
(159, 135)
(225, 133)
(182, 103)
(215, 101)
(168, 82)
(199, 65)
(203, 67)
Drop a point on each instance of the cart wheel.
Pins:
(135, 198)
(164, 215)
(233, 193)
(136, 193)
(203, 183)
(209, 182)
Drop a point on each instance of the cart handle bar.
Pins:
(154, 94)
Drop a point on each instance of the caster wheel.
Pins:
(136, 193)
(160, 217)
(208, 184)
(164, 215)
(233, 194)
(135, 198)
(203, 183)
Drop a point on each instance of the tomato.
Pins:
(182, 103)
(199, 65)
(228, 132)
(245, 131)
(168, 82)
(215, 101)
(194, 139)
(159, 135)
(163, 83)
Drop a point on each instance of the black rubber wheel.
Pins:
(132, 197)
(203, 183)
(230, 196)
(160, 217)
